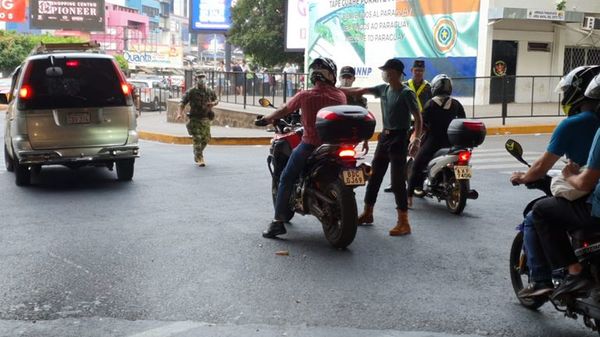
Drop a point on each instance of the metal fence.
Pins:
(482, 97)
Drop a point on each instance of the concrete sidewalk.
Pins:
(153, 126)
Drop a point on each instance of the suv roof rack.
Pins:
(46, 48)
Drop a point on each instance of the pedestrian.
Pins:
(239, 78)
(324, 93)
(422, 89)
(201, 99)
(398, 102)
(347, 78)
(220, 78)
(290, 72)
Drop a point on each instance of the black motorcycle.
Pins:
(585, 242)
(325, 188)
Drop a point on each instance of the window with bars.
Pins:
(576, 57)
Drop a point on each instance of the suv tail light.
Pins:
(126, 88)
(25, 92)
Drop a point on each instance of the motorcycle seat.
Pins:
(442, 152)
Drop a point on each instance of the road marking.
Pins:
(169, 330)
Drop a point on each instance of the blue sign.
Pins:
(210, 15)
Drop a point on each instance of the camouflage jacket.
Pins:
(198, 98)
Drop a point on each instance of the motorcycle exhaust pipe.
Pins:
(367, 169)
(473, 195)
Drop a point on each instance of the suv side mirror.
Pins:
(3, 99)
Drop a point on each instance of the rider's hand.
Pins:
(570, 169)
(365, 147)
(413, 148)
(517, 178)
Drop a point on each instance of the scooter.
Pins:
(448, 174)
(586, 244)
(326, 186)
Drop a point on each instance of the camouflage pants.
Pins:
(199, 129)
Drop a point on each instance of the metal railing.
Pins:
(482, 97)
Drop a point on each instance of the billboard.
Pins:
(365, 34)
(210, 16)
(296, 25)
(13, 10)
(81, 15)
(159, 57)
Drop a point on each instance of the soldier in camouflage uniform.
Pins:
(201, 99)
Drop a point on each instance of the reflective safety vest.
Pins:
(418, 91)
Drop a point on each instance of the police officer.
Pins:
(347, 78)
(201, 99)
(421, 87)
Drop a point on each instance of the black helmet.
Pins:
(573, 88)
(593, 89)
(441, 85)
(323, 69)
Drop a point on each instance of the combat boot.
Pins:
(200, 161)
(366, 218)
(402, 226)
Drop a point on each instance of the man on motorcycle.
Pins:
(398, 102)
(573, 137)
(323, 73)
(437, 115)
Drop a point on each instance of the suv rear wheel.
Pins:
(8, 161)
(125, 169)
(22, 175)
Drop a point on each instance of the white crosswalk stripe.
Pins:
(492, 159)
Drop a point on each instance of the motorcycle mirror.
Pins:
(516, 150)
(265, 103)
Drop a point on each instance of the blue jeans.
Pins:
(290, 174)
(290, 89)
(539, 269)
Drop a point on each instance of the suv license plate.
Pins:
(462, 172)
(78, 118)
(353, 177)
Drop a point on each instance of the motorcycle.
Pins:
(586, 245)
(326, 186)
(448, 174)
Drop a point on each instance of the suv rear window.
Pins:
(84, 83)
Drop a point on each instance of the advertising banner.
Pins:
(81, 15)
(365, 33)
(296, 25)
(13, 10)
(210, 16)
(160, 57)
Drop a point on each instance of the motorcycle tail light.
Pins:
(347, 153)
(464, 157)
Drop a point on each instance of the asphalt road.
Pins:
(178, 252)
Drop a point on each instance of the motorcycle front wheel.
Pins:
(519, 272)
(342, 221)
(457, 194)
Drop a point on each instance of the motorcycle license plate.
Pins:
(462, 172)
(353, 177)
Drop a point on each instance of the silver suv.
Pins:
(69, 106)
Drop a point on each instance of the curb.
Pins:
(187, 140)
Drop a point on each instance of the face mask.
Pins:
(385, 77)
(201, 83)
(566, 109)
(346, 82)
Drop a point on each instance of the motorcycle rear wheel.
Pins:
(519, 270)
(340, 227)
(457, 198)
